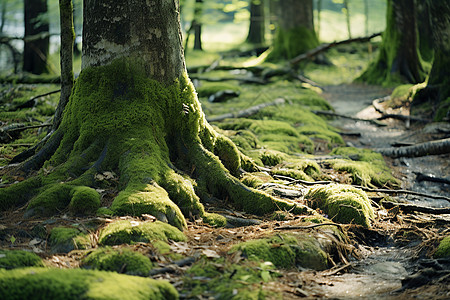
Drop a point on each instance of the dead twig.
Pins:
(307, 226)
(333, 114)
(172, 267)
(423, 149)
(409, 208)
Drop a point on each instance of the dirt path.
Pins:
(384, 267)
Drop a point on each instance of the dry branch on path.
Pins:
(423, 149)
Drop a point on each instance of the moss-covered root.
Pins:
(342, 203)
(40, 283)
(214, 179)
(11, 259)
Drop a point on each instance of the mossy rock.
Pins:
(118, 260)
(286, 251)
(128, 232)
(40, 283)
(66, 239)
(443, 249)
(11, 259)
(342, 203)
(366, 167)
(209, 88)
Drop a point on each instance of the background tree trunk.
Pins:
(256, 30)
(436, 95)
(66, 54)
(295, 31)
(35, 52)
(398, 60)
(197, 23)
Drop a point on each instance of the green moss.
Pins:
(84, 200)
(271, 157)
(292, 42)
(40, 283)
(104, 211)
(245, 139)
(251, 180)
(11, 259)
(443, 249)
(215, 220)
(228, 153)
(127, 232)
(121, 260)
(367, 167)
(286, 251)
(209, 88)
(227, 281)
(442, 111)
(342, 203)
(18, 193)
(66, 239)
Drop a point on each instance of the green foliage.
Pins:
(122, 260)
(342, 203)
(286, 251)
(11, 259)
(66, 239)
(128, 232)
(72, 284)
(443, 249)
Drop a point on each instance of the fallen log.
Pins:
(246, 112)
(431, 178)
(324, 47)
(410, 208)
(423, 149)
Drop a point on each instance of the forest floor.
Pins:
(389, 260)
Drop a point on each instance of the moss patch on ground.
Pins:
(443, 249)
(220, 279)
(367, 168)
(66, 239)
(286, 251)
(122, 260)
(127, 232)
(40, 283)
(342, 203)
(11, 259)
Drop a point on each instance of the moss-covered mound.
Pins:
(11, 259)
(286, 251)
(66, 239)
(443, 249)
(342, 203)
(40, 283)
(367, 168)
(127, 232)
(292, 42)
(223, 280)
(118, 260)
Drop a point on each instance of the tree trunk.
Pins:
(134, 112)
(256, 30)
(347, 18)
(295, 33)
(35, 52)
(66, 54)
(198, 25)
(398, 60)
(434, 99)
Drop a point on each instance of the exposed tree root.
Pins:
(422, 149)
(410, 208)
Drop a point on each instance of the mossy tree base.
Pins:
(153, 136)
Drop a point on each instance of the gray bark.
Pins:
(146, 29)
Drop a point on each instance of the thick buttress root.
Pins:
(166, 156)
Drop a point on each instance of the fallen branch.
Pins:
(409, 208)
(333, 114)
(422, 149)
(246, 112)
(306, 227)
(172, 267)
(243, 79)
(432, 178)
(324, 47)
(32, 101)
(403, 118)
